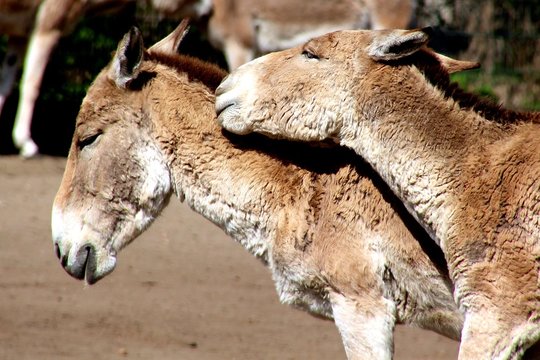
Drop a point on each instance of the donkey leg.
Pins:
(39, 51)
(53, 19)
(366, 326)
(486, 335)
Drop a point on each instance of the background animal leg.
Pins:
(54, 17)
(10, 66)
(366, 326)
(39, 51)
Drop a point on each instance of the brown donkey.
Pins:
(333, 238)
(468, 171)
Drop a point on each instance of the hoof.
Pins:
(28, 149)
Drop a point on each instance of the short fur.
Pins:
(467, 170)
(336, 241)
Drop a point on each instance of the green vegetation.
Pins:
(516, 89)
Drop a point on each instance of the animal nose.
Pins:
(57, 251)
(63, 258)
(222, 87)
(84, 266)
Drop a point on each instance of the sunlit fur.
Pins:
(333, 236)
(466, 169)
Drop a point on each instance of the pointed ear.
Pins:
(453, 65)
(171, 43)
(128, 58)
(396, 44)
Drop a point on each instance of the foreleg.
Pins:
(366, 326)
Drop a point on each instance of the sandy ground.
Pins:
(183, 290)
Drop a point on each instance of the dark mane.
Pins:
(196, 69)
(437, 75)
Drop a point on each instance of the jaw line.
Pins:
(221, 110)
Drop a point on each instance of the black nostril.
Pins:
(91, 265)
(57, 251)
(63, 258)
(84, 264)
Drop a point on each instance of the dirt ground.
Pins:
(183, 290)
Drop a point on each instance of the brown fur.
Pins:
(467, 169)
(367, 264)
(209, 74)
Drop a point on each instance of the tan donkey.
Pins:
(245, 29)
(334, 239)
(469, 171)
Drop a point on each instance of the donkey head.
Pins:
(311, 91)
(116, 180)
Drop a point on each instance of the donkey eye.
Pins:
(309, 55)
(89, 140)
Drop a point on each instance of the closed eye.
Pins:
(89, 140)
(309, 55)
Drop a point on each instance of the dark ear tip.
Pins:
(135, 31)
(428, 30)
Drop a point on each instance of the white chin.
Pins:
(229, 120)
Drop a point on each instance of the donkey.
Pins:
(147, 128)
(245, 29)
(467, 170)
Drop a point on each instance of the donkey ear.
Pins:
(171, 43)
(453, 65)
(128, 58)
(396, 44)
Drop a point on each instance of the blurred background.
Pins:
(503, 35)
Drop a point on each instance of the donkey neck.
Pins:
(234, 189)
(418, 141)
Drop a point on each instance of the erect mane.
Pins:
(207, 73)
(438, 76)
